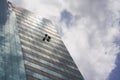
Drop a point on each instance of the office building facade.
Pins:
(31, 49)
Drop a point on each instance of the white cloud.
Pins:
(93, 51)
(90, 39)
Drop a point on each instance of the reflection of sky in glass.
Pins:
(3, 11)
(11, 63)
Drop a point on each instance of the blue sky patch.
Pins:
(67, 17)
(115, 74)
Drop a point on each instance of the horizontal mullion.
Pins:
(28, 17)
(62, 52)
(31, 77)
(45, 68)
(44, 55)
(40, 31)
(29, 50)
(56, 68)
(70, 61)
(45, 51)
(38, 23)
(34, 35)
(34, 30)
(40, 28)
(42, 72)
(40, 43)
(31, 16)
(50, 60)
(38, 37)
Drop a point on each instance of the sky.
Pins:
(90, 30)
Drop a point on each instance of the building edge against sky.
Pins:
(31, 49)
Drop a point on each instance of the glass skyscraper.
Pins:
(31, 49)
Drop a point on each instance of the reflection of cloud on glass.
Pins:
(2, 39)
(11, 62)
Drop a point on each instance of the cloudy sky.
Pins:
(90, 30)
